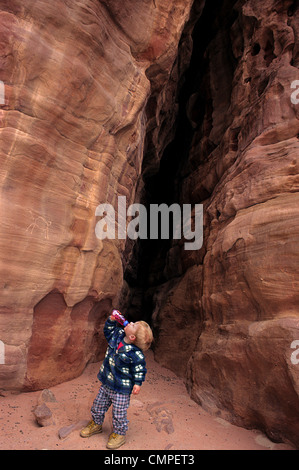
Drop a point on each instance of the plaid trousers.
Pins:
(120, 403)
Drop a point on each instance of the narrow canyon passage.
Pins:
(204, 304)
(156, 264)
(190, 102)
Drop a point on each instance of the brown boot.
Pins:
(115, 441)
(91, 429)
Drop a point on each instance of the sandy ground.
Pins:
(162, 417)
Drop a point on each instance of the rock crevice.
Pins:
(186, 102)
(227, 314)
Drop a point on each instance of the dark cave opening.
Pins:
(147, 272)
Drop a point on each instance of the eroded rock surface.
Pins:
(72, 137)
(243, 165)
(94, 96)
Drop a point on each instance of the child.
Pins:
(121, 374)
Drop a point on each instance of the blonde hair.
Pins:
(144, 336)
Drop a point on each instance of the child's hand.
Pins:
(136, 389)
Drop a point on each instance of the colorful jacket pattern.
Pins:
(124, 367)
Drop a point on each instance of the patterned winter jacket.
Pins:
(124, 367)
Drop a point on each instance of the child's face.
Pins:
(131, 329)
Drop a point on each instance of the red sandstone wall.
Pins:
(72, 136)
